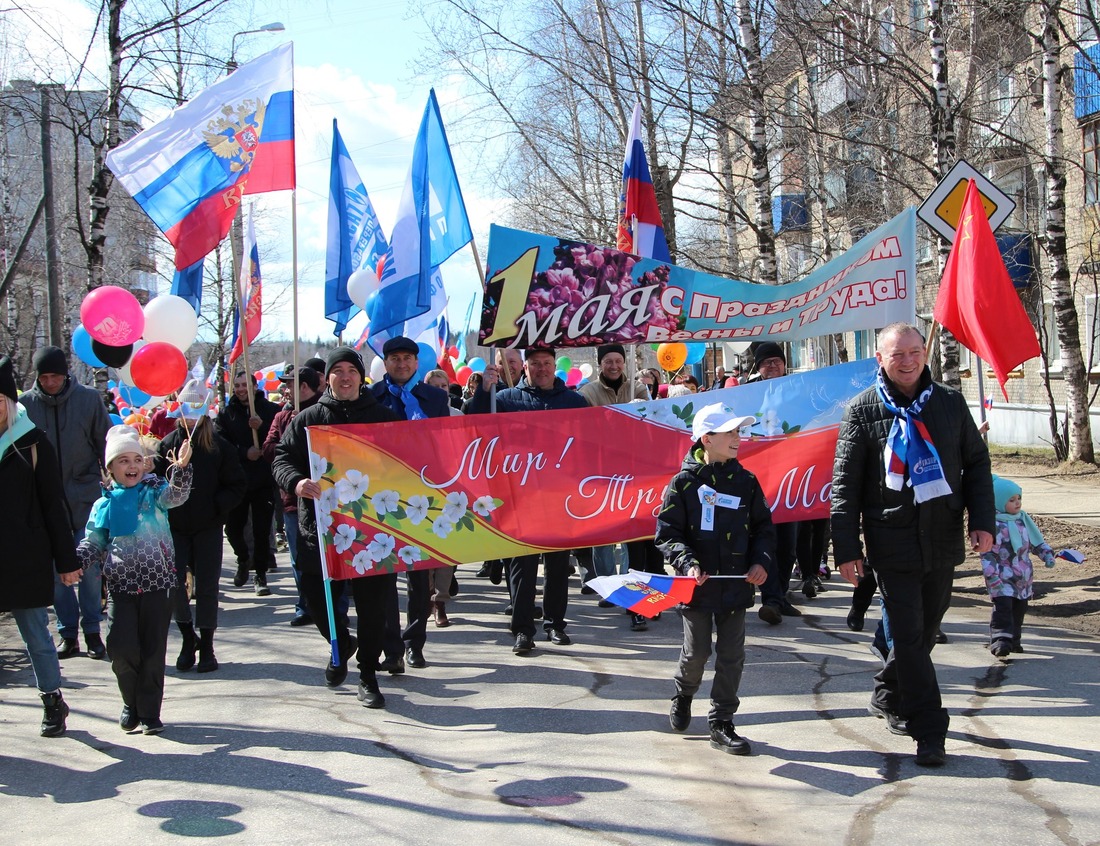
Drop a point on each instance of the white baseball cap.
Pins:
(718, 418)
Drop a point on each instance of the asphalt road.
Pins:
(570, 745)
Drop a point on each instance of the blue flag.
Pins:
(187, 283)
(431, 226)
(355, 239)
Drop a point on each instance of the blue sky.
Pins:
(353, 62)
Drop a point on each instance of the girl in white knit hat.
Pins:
(128, 532)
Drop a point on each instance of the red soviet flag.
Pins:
(977, 302)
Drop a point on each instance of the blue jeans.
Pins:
(80, 607)
(34, 628)
(603, 560)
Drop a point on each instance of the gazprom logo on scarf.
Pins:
(923, 466)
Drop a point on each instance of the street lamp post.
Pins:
(231, 65)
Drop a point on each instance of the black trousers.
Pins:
(523, 573)
(813, 536)
(369, 595)
(644, 556)
(418, 594)
(774, 590)
(1007, 621)
(201, 554)
(864, 591)
(907, 684)
(137, 638)
(259, 505)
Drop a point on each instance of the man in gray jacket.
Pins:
(75, 420)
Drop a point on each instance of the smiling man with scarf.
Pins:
(909, 460)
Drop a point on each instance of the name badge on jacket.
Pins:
(709, 498)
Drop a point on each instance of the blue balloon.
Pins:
(426, 361)
(476, 364)
(696, 353)
(561, 374)
(82, 346)
(134, 397)
(112, 385)
(116, 419)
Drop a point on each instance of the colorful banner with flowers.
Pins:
(545, 290)
(426, 493)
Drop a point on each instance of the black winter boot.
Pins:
(186, 659)
(54, 712)
(207, 662)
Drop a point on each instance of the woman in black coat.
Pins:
(39, 540)
(217, 487)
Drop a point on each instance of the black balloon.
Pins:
(112, 356)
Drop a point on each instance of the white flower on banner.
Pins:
(663, 413)
(385, 502)
(318, 464)
(327, 500)
(362, 562)
(442, 526)
(771, 422)
(454, 507)
(380, 548)
(324, 522)
(352, 486)
(484, 506)
(410, 555)
(417, 509)
(344, 538)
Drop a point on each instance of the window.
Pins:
(918, 15)
(886, 32)
(1090, 149)
(1087, 11)
(864, 344)
(1092, 334)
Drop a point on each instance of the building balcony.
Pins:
(790, 213)
(1086, 82)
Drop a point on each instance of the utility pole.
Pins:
(53, 258)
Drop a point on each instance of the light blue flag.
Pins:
(355, 238)
(431, 226)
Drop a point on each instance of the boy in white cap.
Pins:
(128, 534)
(715, 521)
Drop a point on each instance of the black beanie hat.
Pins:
(51, 360)
(766, 350)
(607, 349)
(345, 354)
(7, 379)
(316, 363)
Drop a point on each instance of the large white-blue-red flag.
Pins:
(640, 228)
(431, 226)
(190, 171)
(187, 283)
(355, 238)
(251, 292)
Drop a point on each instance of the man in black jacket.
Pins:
(540, 391)
(343, 402)
(402, 391)
(909, 459)
(247, 431)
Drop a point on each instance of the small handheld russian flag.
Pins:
(1074, 555)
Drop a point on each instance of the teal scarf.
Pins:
(120, 517)
(1034, 536)
(18, 429)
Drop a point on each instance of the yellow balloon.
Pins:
(672, 356)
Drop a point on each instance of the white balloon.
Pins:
(377, 369)
(586, 370)
(124, 371)
(360, 286)
(171, 319)
(153, 402)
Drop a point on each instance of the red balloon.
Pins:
(158, 368)
(463, 374)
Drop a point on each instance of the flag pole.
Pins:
(243, 333)
(632, 364)
(294, 296)
(507, 371)
(928, 344)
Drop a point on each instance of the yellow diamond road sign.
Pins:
(942, 207)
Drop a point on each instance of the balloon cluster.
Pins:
(146, 345)
(674, 356)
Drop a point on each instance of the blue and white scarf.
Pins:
(909, 448)
(413, 411)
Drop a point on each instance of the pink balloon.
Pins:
(158, 368)
(573, 378)
(112, 316)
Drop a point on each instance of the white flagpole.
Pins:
(243, 332)
(294, 295)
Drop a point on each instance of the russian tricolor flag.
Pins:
(647, 594)
(638, 202)
(190, 171)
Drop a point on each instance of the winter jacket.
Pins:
(232, 424)
(75, 422)
(598, 392)
(217, 484)
(526, 397)
(36, 530)
(740, 536)
(291, 463)
(903, 536)
(275, 434)
(434, 402)
(144, 560)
